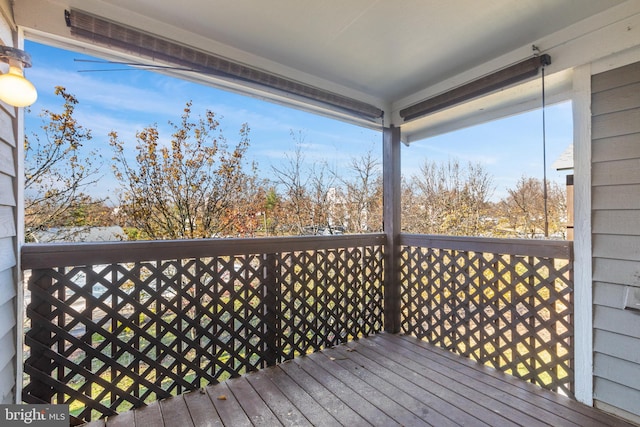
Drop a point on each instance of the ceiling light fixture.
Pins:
(14, 88)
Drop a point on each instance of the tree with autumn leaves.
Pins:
(59, 174)
(199, 185)
(319, 200)
(194, 187)
(522, 212)
(448, 198)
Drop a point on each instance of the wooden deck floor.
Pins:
(385, 380)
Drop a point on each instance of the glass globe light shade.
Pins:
(15, 89)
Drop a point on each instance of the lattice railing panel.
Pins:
(104, 338)
(510, 311)
(320, 306)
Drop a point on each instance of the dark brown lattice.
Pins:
(512, 312)
(105, 338)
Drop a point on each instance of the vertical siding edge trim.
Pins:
(583, 284)
(19, 130)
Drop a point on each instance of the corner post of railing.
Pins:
(40, 311)
(391, 177)
(271, 310)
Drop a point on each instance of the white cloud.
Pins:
(105, 94)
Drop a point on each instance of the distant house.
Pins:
(80, 234)
(565, 163)
(565, 160)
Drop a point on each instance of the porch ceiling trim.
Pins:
(476, 88)
(160, 50)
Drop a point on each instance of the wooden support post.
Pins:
(391, 201)
(569, 207)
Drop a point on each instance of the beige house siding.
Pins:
(616, 236)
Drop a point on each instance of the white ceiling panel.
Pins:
(386, 52)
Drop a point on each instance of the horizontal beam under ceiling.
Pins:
(476, 88)
(148, 46)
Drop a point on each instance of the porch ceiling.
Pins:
(387, 53)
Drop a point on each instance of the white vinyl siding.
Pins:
(616, 235)
(8, 260)
(8, 230)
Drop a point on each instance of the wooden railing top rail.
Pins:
(559, 249)
(50, 255)
(46, 255)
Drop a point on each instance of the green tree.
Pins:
(59, 172)
(188, 189)
(270, 212)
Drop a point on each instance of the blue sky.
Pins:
(127, 101)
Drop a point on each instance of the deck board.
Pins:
(175, 412)
(277, 402)
(150, 415)
(256, 409)
(357, 403)
(228, 408)
(463, 398)
(201, 408)
(492, 399)
(378, 399)
(303, 401)
(554, 403)
(418, 400)
(382, 380)
(334, 406)
(508, 392)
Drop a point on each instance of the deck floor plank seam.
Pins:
(437, 402)
(201, 409)
(510, 393)
(175, 412)
(227, 407)
(276, 401)
(149, 415)
(252, 404)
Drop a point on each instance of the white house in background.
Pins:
(401, 67)
(113, 233)
(565, 163)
